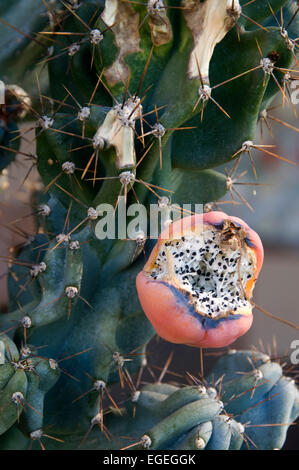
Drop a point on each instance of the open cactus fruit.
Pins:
(197, 284)
(118, 108)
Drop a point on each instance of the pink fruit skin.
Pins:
(167, 308)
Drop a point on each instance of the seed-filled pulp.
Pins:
(212, 273)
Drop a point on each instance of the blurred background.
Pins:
(275, 218)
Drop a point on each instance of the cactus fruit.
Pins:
(196, 286)
(137, 103)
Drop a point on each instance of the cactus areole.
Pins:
(197, 284)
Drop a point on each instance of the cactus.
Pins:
(245, 390)
(132, 102)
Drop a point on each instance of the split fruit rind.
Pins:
(197, 284)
